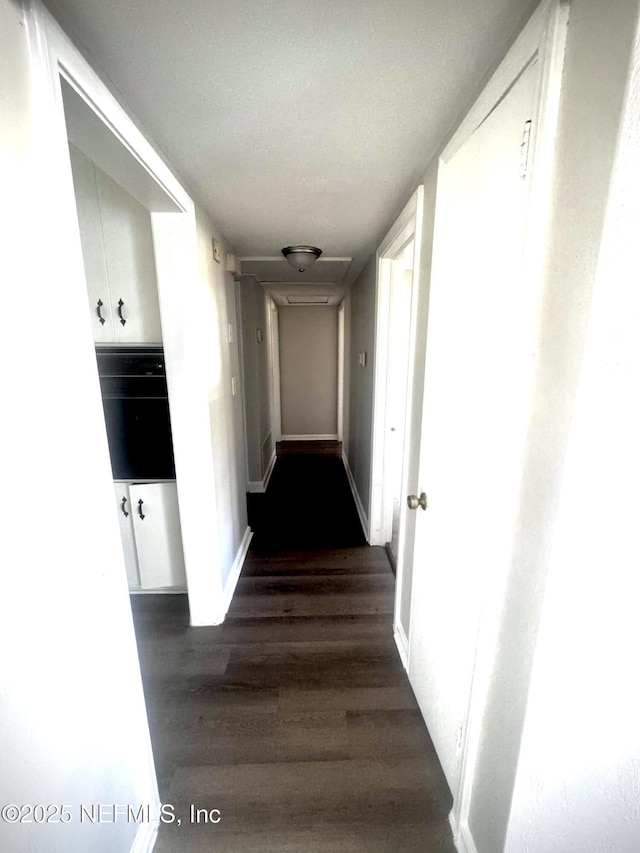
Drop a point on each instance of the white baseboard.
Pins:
(403, 645)
(462, 838)
(362, 515)
(260, 486)
(234, 574)
(269, 471)
(328, 437)
(146, 836)
(163, 590)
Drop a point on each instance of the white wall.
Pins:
(596, 65)
(309, 370)
(360, 409)
(578, 779)
(225, 408)
(71, 705)
(255, 362)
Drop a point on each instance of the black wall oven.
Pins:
(136, 410)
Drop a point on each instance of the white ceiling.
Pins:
(296, 121)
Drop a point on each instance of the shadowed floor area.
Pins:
(294, 718)
(308, 505)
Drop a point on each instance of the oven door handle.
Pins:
(140, 513)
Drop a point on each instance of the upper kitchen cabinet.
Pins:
(117, 248)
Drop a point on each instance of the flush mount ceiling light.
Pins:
(301, 257)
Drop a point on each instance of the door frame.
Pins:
(274, 373)
(408, 226)
(273, 332)
(130, 155)
(341, 373)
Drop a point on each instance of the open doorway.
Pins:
(114, 206)
(398, 269)
(400, 288)
(87, 115)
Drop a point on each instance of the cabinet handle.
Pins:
(140, 513)
(120, 305)
(124, 510)
(99, 305)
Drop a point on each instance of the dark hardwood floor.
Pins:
(318, 447)
(294, 718)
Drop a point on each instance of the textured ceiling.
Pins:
(296, 121)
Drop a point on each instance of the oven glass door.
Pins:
(139, 434)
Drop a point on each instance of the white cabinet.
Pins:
(125, 517)
(150, 527)
(117, 249)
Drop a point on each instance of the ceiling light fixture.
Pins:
(301, 257)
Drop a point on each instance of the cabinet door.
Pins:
(125, 516)
(128, 244)
(157, 531)
(91, 239)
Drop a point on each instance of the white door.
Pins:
(157, 532)
(474, 410)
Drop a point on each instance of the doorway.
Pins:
(400, 289)
(397, 287)
(306, 371)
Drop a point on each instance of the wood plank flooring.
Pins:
(295, 718)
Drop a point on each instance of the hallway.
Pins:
(295, 717)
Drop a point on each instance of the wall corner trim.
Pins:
(403, 645)
(364, 521)
(234, 574)
(462, 837)
(145, 837)
(269, 471)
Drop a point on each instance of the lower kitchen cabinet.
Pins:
(125, 517)
(151, 539)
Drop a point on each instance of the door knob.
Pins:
(413, 501)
